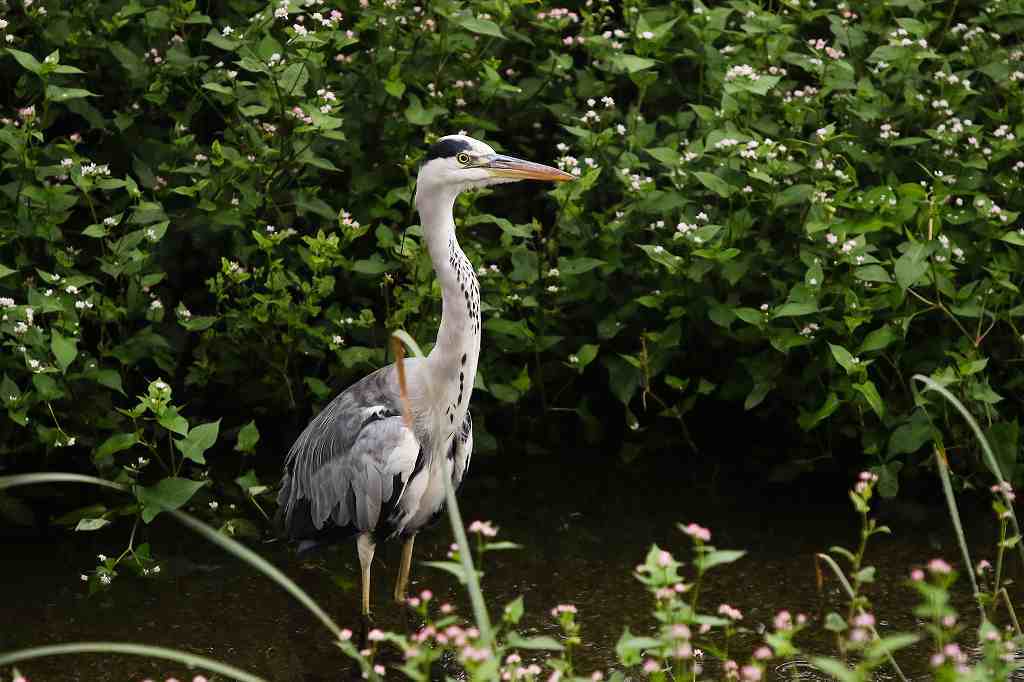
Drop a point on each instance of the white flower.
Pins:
(553, 272)
(226, 31)
(101, 557)
(105, 578)
(84, 578)
(337, 340)
(553, 289)
(214, 504)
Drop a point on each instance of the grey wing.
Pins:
(348, 469)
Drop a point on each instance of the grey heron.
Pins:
(357, 469)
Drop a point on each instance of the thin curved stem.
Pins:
(176, 655)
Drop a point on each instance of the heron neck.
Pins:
(455, 353)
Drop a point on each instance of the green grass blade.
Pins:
(183, 657)
(231, 546)
(990, 457)
(954, 514)
(56, 477)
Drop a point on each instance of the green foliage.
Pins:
(225, 199)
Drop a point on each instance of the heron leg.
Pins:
(365, 546)
(403, 570)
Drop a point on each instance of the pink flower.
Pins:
(939, 567)
(664, 559)
(751, 673)
(864, 620)
(697, 532)
(484, 528)
(762, 653)
(345, 635)
(730, 612)
(917, 575)
(783, 620)
(651, 666)
(679, 631)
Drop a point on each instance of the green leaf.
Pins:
(577, 266)
(115, 444)
(1004, 437)
(46, 386)
(91, 524)
(717, 557)
(630, 647)
(911, 266)
(6, 271)
(808, 420)
(586, 354)
(844, 358)
(715, 184)
(796, 194)
(198, 441)
(172, 421)
(514, 610)
(659, 254)
(834, 622)
(452, 567)
(910, 437)
(248, 436)
(794, 309)
(476, 25)
(1015, 237)
(169, 494)
(515, 328)
(416, 114)
(64, 349)
(870, 393)
(884, 646)
(217, 87)
(835, 668)
(56, 93)
(878, 339)
(27, 61)
(630, 63)
(109, 378)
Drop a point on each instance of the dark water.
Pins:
(583, 529)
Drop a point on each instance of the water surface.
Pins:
(584, 527)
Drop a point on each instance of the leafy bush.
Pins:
(222, 202)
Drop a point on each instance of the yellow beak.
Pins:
(511, 167)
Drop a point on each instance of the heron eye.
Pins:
(463, 158)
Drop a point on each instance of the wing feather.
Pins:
(351, 464)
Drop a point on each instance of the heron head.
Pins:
(457, 162)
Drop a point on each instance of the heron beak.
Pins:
(510, 167)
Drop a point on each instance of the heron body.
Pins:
(359, 468)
